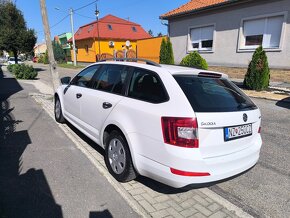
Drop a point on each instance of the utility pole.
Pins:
(97, 13)
(52, 63)
(73, 35)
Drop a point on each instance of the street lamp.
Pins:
(71, 11)
(97, 13)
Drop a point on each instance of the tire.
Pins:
(118, 158)
(58, 111)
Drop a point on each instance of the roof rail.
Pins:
(132, 60)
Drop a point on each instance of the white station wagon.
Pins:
(176, 125)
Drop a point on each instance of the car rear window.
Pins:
(207, 94)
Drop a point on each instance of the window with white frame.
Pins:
(201, 38)
(265, 31)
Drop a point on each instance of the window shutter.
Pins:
(207, 33)
(273, 32)
(254, 27)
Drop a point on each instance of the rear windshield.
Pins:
(207, 94)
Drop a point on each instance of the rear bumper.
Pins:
(221, 167)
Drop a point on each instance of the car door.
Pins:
(74, 93)
(98, 102)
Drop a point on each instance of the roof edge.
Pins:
(206, 8)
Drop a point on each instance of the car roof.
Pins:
(172, 69)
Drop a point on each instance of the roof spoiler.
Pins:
(209, 74)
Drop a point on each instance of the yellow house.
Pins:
(107, 37)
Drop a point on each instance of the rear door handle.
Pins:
(107, 105)
(78, 95)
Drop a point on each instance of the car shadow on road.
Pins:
(285, 103)
(21, 194)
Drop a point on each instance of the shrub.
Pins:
(45, 58)
(40, 59)
(194, 60)
(24, 71)
(166, 52)
(258, 73)
(10, 67)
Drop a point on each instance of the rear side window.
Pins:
(213, 94)
(147, 86)
(111, 78)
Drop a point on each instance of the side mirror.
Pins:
(65, 80)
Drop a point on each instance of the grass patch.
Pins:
(71, 66)
(276, 75)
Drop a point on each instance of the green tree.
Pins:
(258, 73)
(163, 52)
(58, 52)
(194, 59)
(166, 52)
(45, 58)
(15, 37)
(170, 58)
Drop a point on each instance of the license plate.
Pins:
(235, 132)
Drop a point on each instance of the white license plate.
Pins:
(235, 132)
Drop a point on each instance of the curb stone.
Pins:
(146, 201)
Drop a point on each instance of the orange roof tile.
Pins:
(191, 6)
(112, 27)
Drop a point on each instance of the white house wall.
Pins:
(226, 38)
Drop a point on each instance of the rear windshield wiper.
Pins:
(245, 106)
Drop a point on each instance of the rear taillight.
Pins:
(259, 131)
(180, 131)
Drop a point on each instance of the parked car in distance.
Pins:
(35, 59)
(176, 125)
(11, 60)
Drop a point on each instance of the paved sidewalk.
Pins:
(150, 198)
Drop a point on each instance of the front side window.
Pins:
(264, 32)
(201, 38)
(147, 86)
(111, 78)
(83, 79)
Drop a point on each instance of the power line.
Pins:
(85, 16)
(54, 24)
(85, 5)
(59, 22)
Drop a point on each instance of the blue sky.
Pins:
(144, 12)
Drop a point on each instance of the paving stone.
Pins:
(176, 198)
(174, 213)
(187, 203)
(149, 198)
(160, 213)
(162, 198)
(203, 210)
(147, 206)
(201, 200)
(209, 200)
(137, 191)
(160, 206)
(199, 215)
(218, 214)
(214, 207)
(189, 212)
(138, 197)
(174, 205)
(127, 186)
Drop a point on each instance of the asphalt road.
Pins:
(44, 176)
(264, 191)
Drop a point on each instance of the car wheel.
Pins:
(57, 111)
(118, 158)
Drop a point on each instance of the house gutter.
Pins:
(204, 9)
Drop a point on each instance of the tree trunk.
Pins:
(15, 56)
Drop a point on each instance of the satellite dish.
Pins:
(127, 43)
